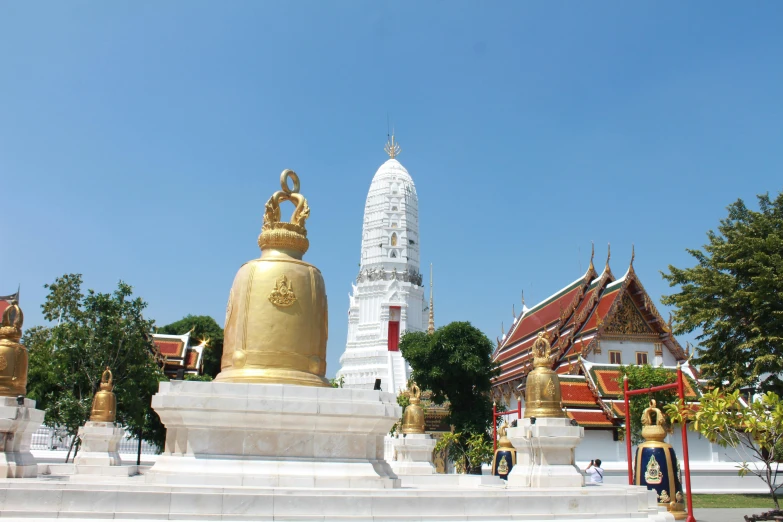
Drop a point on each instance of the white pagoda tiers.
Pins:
(388, 297)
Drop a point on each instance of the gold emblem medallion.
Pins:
(283, 294)
(549, 390)
(503, 466)
(652, 475)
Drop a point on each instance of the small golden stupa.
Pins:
(276, 318)
(104, 404)
(542, 389)
(13, 354)
(413, 418)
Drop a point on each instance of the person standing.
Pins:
(595, 471)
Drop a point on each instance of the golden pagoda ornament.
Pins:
(505, 457)
(542, 389)
(104, 404)
(656, 463)
(276, 317)
(13, 354)
(413, 418)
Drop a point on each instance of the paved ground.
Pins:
(725, 514)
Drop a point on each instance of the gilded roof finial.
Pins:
(392, 148)
(431, 324)
(608, 254)
(633, 253)
(592, 255)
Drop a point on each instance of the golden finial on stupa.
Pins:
(276, 316)
(542, 389)
(392, 148)
(13, 354)
(653, 428)
(104, 404)
(413, 418)
(280, 234)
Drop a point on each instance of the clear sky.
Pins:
(140, 140)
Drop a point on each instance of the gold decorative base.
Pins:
(677, 512)
(271, 376)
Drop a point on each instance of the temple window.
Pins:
(393, 254)
(641, 358)
(394, 240)
(394, 209)
(658, 348)
(394, 225)
(615, 357)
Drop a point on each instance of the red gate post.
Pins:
(628, 430)
(689, 498)
(519, 408)
(494, 427)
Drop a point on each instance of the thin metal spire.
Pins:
(431, 324)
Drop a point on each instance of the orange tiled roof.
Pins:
(576, 393)
(591, 419)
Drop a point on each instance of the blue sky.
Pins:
(139, 141)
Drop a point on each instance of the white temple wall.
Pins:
(628, 351)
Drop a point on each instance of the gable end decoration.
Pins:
(627, 320)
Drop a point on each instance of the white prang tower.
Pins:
(388, 297)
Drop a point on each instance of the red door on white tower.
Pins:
(394, 328)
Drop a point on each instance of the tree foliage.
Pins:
(204, 327)
(467, 451)
(755, 430)
(734, 295)
(640, 377)
(93, 331)
(455, 364)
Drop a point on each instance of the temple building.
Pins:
(5, 301)
(595, 324)
(178, 355)
(388, 297)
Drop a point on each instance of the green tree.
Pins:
(754, 430)
(204, 327)
(93, 331)
(467, 451)
(455, 364)
(734, 296)
(640, 377)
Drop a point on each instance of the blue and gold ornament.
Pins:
(656, 463)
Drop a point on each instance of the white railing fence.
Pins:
(55, 439)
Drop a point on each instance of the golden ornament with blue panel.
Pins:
(656, 464)
(505, 455)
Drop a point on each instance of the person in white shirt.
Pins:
(595, 471)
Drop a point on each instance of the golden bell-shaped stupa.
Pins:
(276, 318)
(542, 389)
(413, 418)
(13, 354)
(104, 404)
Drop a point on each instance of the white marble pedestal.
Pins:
(545, 454)
(99, 454)
(17, 425)
(273, 435)
(100, 444)
(414, 454)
